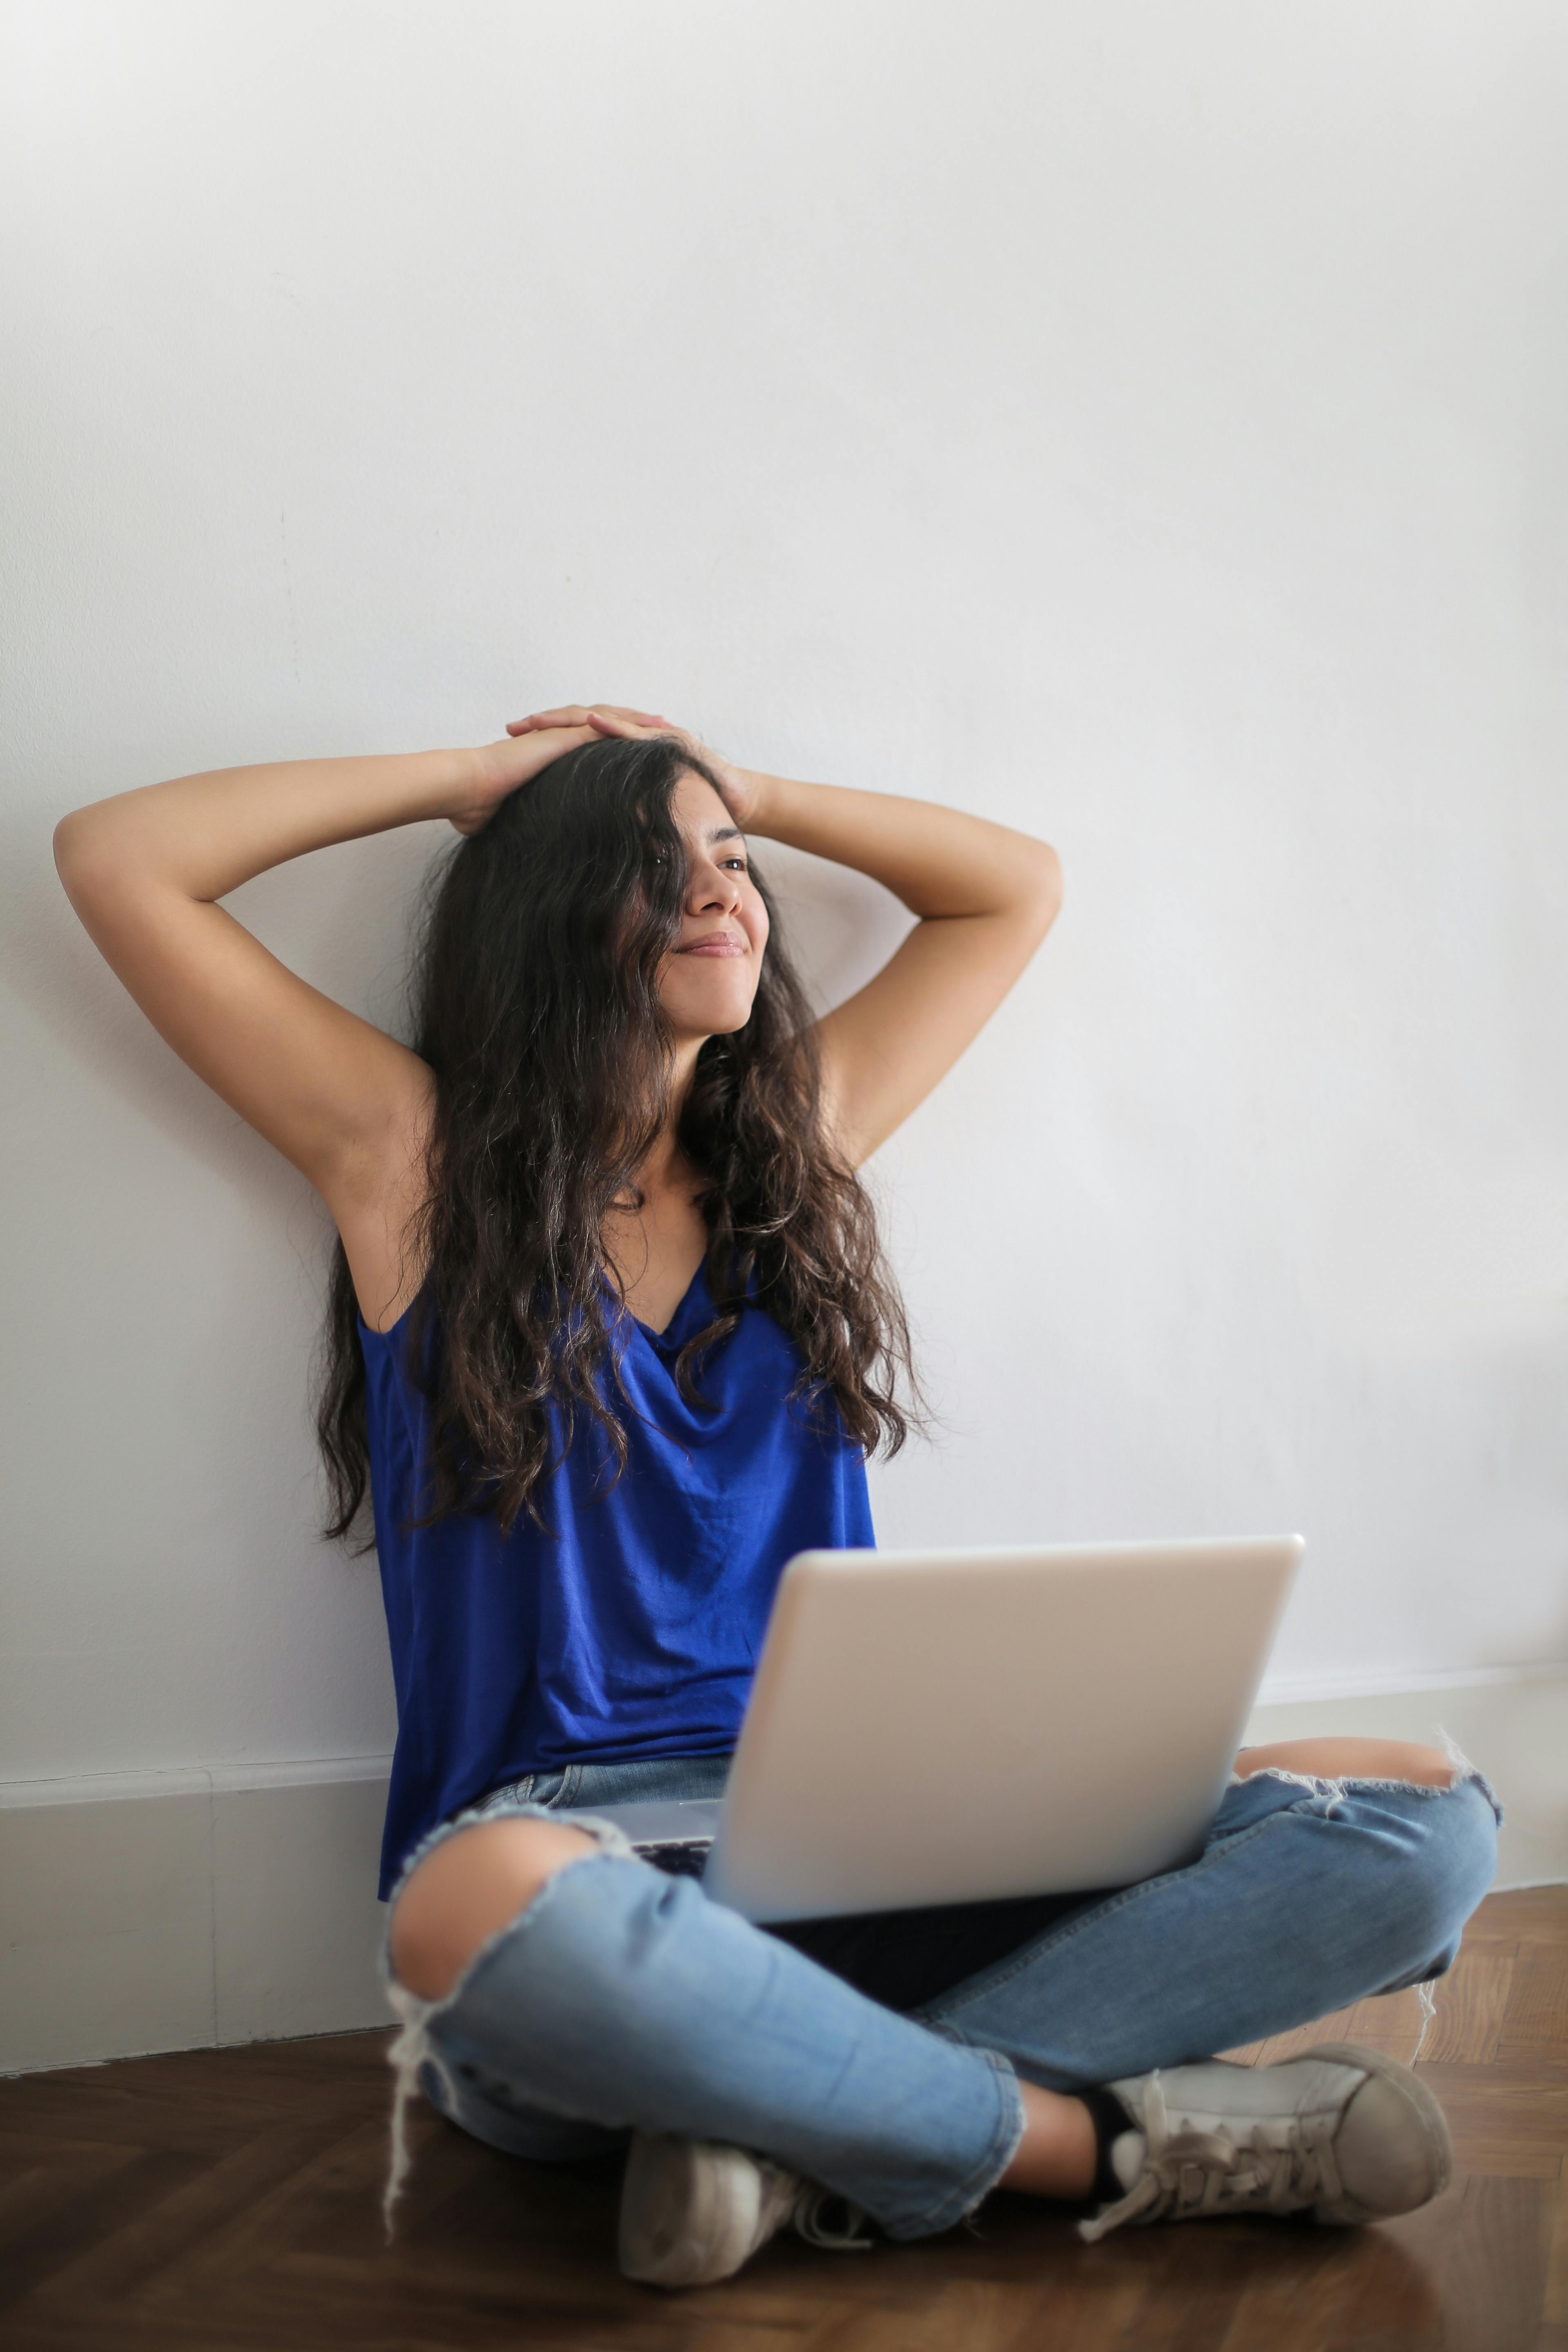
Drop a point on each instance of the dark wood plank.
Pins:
(49, 2180)
(116, 2198)
(1554, 2302)
(1471, 2003)
(1357, 2289)
(190, 2220)
(1508, 2122)
(1539, 1912)
(1493, 2281)
(226, 2201)
(1536, 2023)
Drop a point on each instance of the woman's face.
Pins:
(709, 979)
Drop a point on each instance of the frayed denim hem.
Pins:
(965, 2200)
(1337, 1788)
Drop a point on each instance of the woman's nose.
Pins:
(715, 888)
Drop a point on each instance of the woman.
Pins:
(610, 1340)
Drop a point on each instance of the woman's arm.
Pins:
(985, 897)
(343, 1101)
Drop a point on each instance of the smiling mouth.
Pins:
(718, 943)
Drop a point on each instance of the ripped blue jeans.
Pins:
(623, 1999)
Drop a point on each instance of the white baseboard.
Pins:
(179, 1911)
(189, 1910)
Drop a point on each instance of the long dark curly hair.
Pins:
(535, 994)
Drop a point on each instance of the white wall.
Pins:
(1140, 422)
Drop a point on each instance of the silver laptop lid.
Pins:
(948, 1727)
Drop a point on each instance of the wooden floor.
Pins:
(229, 2199)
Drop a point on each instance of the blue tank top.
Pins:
(633, 1627)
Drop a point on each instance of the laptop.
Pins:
(954, 1726)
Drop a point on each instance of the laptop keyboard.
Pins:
(684, 1858)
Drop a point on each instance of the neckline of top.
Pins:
(677, 1312)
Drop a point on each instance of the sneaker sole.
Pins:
(1417, 2095)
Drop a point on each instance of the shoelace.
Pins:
(1189, 2174)
(811, 2223)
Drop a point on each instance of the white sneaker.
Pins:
(1352, 2134)
(693, 2210)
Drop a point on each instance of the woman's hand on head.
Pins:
(603, 718)
(517, 759)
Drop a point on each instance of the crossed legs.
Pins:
(475, 1883)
